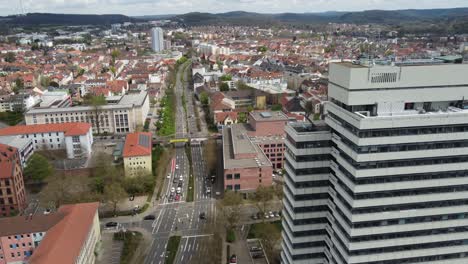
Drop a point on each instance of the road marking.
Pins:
(204, 235)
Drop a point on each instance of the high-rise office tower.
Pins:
(157, 39)
(391, 184)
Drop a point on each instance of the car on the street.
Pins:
(179, 185)
(177, 197)
(202, 215)
(271, 214)
(149, 217)
(111, 224)
(181, 178)
(233, 259)
(168, 176)
(177, 166)
(174, 180)
(172, 189)
(179, 190)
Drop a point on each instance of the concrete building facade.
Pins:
(393, 174)
(128, 114)
(157, 39)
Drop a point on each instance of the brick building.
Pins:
(266, 129)
(12, 193)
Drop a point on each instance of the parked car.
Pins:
(168, 175)
(277, 214)
(254, 217)
(202, 215)
(266, 215)
(149, 217)
(111, 224)
(271, 214)
(233, 259)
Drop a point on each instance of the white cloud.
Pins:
(148, 7)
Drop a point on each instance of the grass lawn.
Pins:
(190, 190)
(131, 242)
(255, 228)
(172, 247)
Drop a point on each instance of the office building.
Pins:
(12, 193)
(245, 165)
(137, 154)
(69, 235)
(157, 39)
(126, 114)
(386, 180)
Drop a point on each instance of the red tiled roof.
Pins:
(137, 144)
(221, 116)
(64, 241)
(70, 129)
(8, 159)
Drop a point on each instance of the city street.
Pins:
(177, 217)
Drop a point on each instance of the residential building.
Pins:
(75, 138)
(12, 193)
(69, 235)
(125, 115)
(157, 39)
(137, 154)
(387, 183)
(245, 165)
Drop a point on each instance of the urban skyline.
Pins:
(162, 7)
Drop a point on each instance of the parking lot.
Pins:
(110, 250)
(256, 251)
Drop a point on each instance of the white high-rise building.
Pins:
(157, 39)
(391, 184)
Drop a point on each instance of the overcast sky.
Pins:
(155, 7)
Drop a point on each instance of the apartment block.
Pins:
(388, 183)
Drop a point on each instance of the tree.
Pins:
(243, 86)
(225, 78)
(263, 195)
(276, 107)
(230, 206)
(38, 168)
(269, 234)
(204, 98)
(19, 85)
(10, 57)
(113, 70)
(45, 81)
(113, 194)
(242, 117)
(223, 87)
(309, 108)
(97, 102)
(114, 54)
(262, 49)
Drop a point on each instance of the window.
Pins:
(237, 187)
(228, 187)
(229, 176)
(237, 176)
